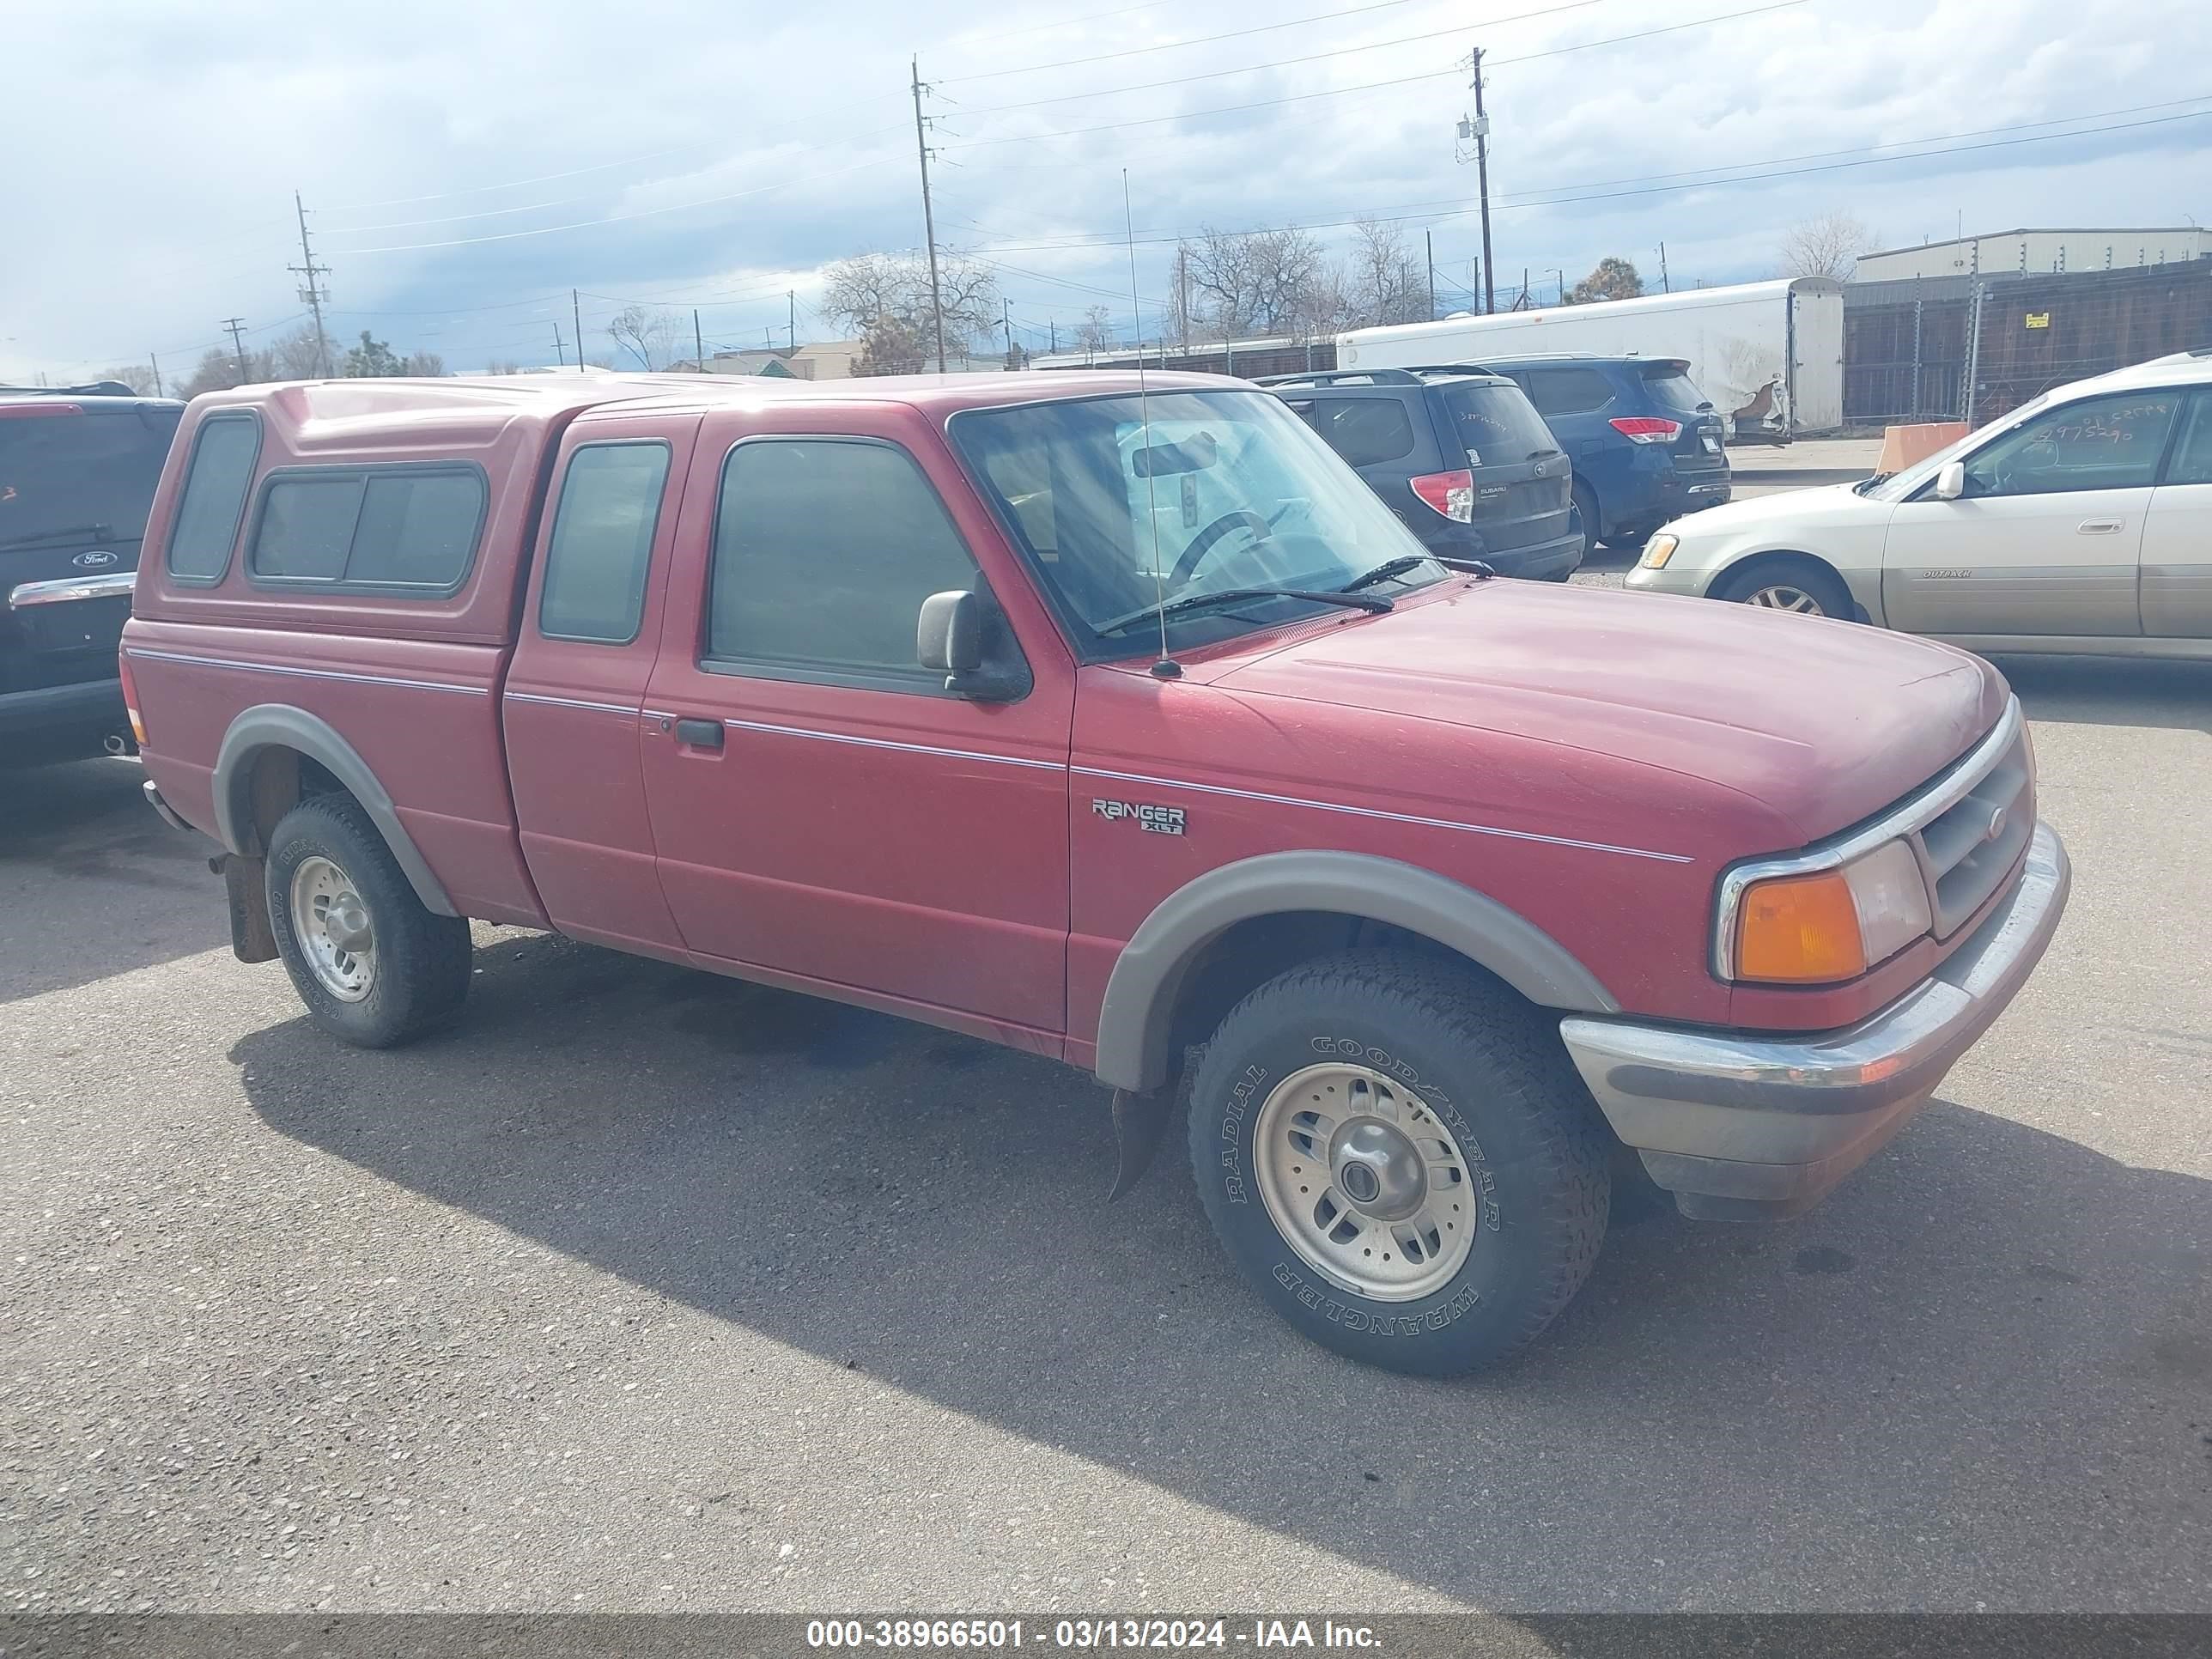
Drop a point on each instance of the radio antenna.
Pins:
(1166, 668)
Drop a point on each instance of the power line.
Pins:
(1171, 46)
(1107, 239)
(624, 218)
(1064, 23)
(1280, 63)
(576, 172)
(1378, 85)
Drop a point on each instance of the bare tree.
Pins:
(889, 346)
(870, 291)
(1612, 278)
(217, 371)
(1095, 332)
(1262, 281)
(1829, 245)
(139, 376)
(294, 357)
(428, 364)
(1387, 285)
(646, 332)
(502, 365)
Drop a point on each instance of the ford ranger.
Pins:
(1110, 718)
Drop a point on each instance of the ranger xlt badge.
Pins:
(1160, 820)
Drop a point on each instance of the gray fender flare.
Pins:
(1135, 1020)
(280, 726)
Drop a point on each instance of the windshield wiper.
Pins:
(1865, 484)
(1230, 595)
(1405, 561)
(97, 531)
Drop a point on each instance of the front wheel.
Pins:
(1793, 584)
(1401, 1158)
(375, 967)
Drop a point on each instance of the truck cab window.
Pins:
(824, 548)
(223, 457)
(603, 531)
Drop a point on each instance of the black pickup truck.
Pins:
(77, 469)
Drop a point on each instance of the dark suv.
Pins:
(77, 469)
(1647, 444)
(1456, 454)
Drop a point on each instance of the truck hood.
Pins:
(1823, 722)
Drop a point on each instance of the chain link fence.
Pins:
(1970, 348)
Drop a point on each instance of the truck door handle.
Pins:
(703, 734)
(2098, 526)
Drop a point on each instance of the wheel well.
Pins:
(1246, 955)
(1777, 558)
(279, 780)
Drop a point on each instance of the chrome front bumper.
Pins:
(1738, 1126)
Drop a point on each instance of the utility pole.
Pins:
(1053, 324)
(1429, 241)
(1482, 182)
(236, 326)
(1006, 317)
(154, 358)
(577, 316)
(1183, 295)
(791, 319)
(313, 293)
(1665, 286)
(929, 218)
(560, 345)
(698, 345)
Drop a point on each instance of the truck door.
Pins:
(824, 808)
(591, 627)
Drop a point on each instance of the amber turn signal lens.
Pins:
(1800, 930)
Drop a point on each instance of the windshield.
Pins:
(78, 476)
(1899, 484)
(1496, 423)
(1226, 489)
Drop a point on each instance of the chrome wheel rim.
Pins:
(1364, 1181)
(1781, 596)
(331, 923)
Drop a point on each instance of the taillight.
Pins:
(29, 411)
(131, 697)
(1451, 493)
(1647, 429)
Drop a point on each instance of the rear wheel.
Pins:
(375, 966)
(1400, 1157)
(1585, 500)
(1793, 584)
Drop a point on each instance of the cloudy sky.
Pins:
(466, 162)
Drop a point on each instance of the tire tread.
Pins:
(1535, 1083)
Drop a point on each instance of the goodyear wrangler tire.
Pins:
(1398, 1154)
(375, 966)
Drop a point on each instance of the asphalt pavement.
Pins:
(649, 1290)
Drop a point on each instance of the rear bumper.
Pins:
(1740, 1126)
(92, 706)
(167, 813)
(1552, 559)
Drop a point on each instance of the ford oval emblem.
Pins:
(98, 559)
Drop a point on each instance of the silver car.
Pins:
(2079, 522)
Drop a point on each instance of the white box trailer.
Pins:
(1737, 340)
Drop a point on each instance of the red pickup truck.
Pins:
(1114, 720)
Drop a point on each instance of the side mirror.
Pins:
(948, 636)
(1951, 481)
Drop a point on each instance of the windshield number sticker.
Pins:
(1158, 820)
